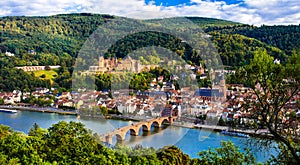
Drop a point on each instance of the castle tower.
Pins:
(101, 61)
(113, 62)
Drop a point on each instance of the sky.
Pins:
(253, 12)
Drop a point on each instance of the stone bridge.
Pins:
(120, 133)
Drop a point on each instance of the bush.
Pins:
(43, 76)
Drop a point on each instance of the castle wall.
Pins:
(127, 64)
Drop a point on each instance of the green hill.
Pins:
(211, 22)
(66, 33)
(237, 50)
(54, 34)
(286, 38)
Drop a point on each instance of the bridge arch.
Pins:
(159, 122)
(146, 127)
(165, 120)
(120, 137)
(156, 123)
(134, 132)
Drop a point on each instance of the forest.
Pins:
(286, 38)
(66, 34)
(57, 40)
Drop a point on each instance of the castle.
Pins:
(112, 64)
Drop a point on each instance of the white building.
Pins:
(9, 54)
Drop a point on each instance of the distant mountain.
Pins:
(66, 33)
(212, 22)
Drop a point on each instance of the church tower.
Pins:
(223, 86)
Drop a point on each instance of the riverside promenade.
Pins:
(40, 109)
(259, 132)
(220, 128)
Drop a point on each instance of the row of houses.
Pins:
(153, 103)
(17, 97)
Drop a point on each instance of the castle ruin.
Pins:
(112, 64)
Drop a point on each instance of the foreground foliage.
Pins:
(71, 143)
(275, 87)
(227, 154)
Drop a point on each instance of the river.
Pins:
(190, 141)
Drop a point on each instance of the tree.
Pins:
(221, 122)
(228, 153)
(35, 63)
(65, 141)
(37, 131)
(104, 110)
(274, 86)
(43, 76)
(1, 101)
(4, 131)
(172, 155)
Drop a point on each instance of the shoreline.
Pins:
(40, 109)
(261, 133)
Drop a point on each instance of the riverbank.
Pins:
(120, 117)
(40, 109)
(108, 117)
(261, 133)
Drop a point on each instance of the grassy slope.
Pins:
(50, 74)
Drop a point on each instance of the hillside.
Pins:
(66, 33)
(286, 38)
(237, 50)
(54, 34)
(212, 22)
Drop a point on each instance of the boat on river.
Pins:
(230, 133)
(8, 110)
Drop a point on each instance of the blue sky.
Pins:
(187, 2)
(257, 12)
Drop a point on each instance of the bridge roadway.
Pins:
(120, 133)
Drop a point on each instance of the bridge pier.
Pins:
(120, 138)
(108, 139)
(171, 120)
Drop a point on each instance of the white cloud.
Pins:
(248, 11)
(4, 12)
(275, 11)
